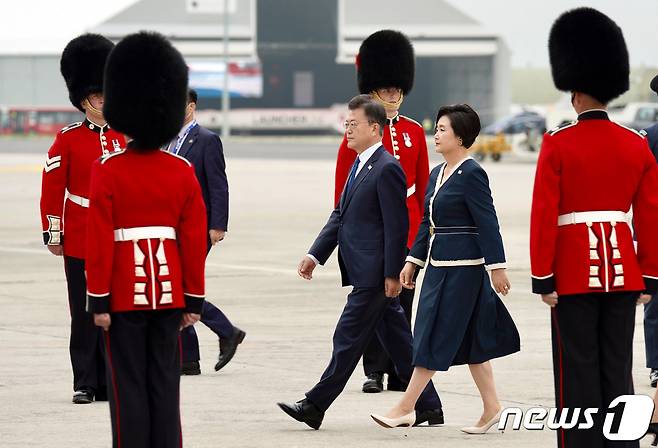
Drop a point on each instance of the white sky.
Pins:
(44, 26)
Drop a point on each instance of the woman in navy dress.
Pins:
(460, 318)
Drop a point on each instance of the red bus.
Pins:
(39, 120)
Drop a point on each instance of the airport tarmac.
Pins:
(281, 195)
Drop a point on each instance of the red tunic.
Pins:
(594, 165)
(405, 139)
(147, 234)
(68, 169)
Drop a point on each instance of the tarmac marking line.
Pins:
(21, 169)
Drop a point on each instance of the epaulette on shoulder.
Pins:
(638, 133)
(177, 156)
(557, 129)
(107, 157)
(77, 124)
(411, 119)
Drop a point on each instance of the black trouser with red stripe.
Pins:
(86, 341)
(592, 359)
(143, 359)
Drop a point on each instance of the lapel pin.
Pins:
(459, 172)
(369, 167)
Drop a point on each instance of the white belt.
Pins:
(82, 202)
(597, 216)
(411, 190)
(144, 233)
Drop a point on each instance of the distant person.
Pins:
(369, 226)
(583, 260)
(385, 71)
(204, 150)
(65, 202)
(460, 319)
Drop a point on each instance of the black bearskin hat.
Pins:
(588, 54)
(146, 89)
(654, 84)
(385, 59)
(82, 65)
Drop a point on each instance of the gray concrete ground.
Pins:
(280, 198)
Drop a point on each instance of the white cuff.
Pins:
(491, 267)
(415, 261)
(97, 295)
(542, 278)
(315, 260)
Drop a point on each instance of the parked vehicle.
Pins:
(635, 115)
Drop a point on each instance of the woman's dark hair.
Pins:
(464, 120)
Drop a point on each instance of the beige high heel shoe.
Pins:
(484, 428)
(404, 421)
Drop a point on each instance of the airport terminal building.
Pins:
(292, 61)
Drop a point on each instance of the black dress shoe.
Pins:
(83, 396)
(228, 347)
(190, 368)
(653, 377)
(304, 411)
(431, 417)
(653, 429)
(374, 383)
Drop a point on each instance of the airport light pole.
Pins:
(226, 101)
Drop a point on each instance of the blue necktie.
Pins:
(350, 179)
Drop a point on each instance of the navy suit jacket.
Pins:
(369, 226)
(204, 150)
(652, 136)
(464, 210)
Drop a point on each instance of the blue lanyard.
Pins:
(181, 140)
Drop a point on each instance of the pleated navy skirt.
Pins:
(461, 319)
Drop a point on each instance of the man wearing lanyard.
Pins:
(204, 150)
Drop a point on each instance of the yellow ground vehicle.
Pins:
(493, 145)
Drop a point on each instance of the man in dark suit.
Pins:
(204, 150)
(369, 226)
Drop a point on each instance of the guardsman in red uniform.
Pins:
(146, 242)
(65, 201)
(589, 175)
(385, 70)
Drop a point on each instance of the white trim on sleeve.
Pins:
(491, 267)
(415, 261)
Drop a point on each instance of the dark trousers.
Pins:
(651, 332)
(86, 341)
(375, 359)
(368, 311)
(592, 359)
(213, 318)
(143, 359)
